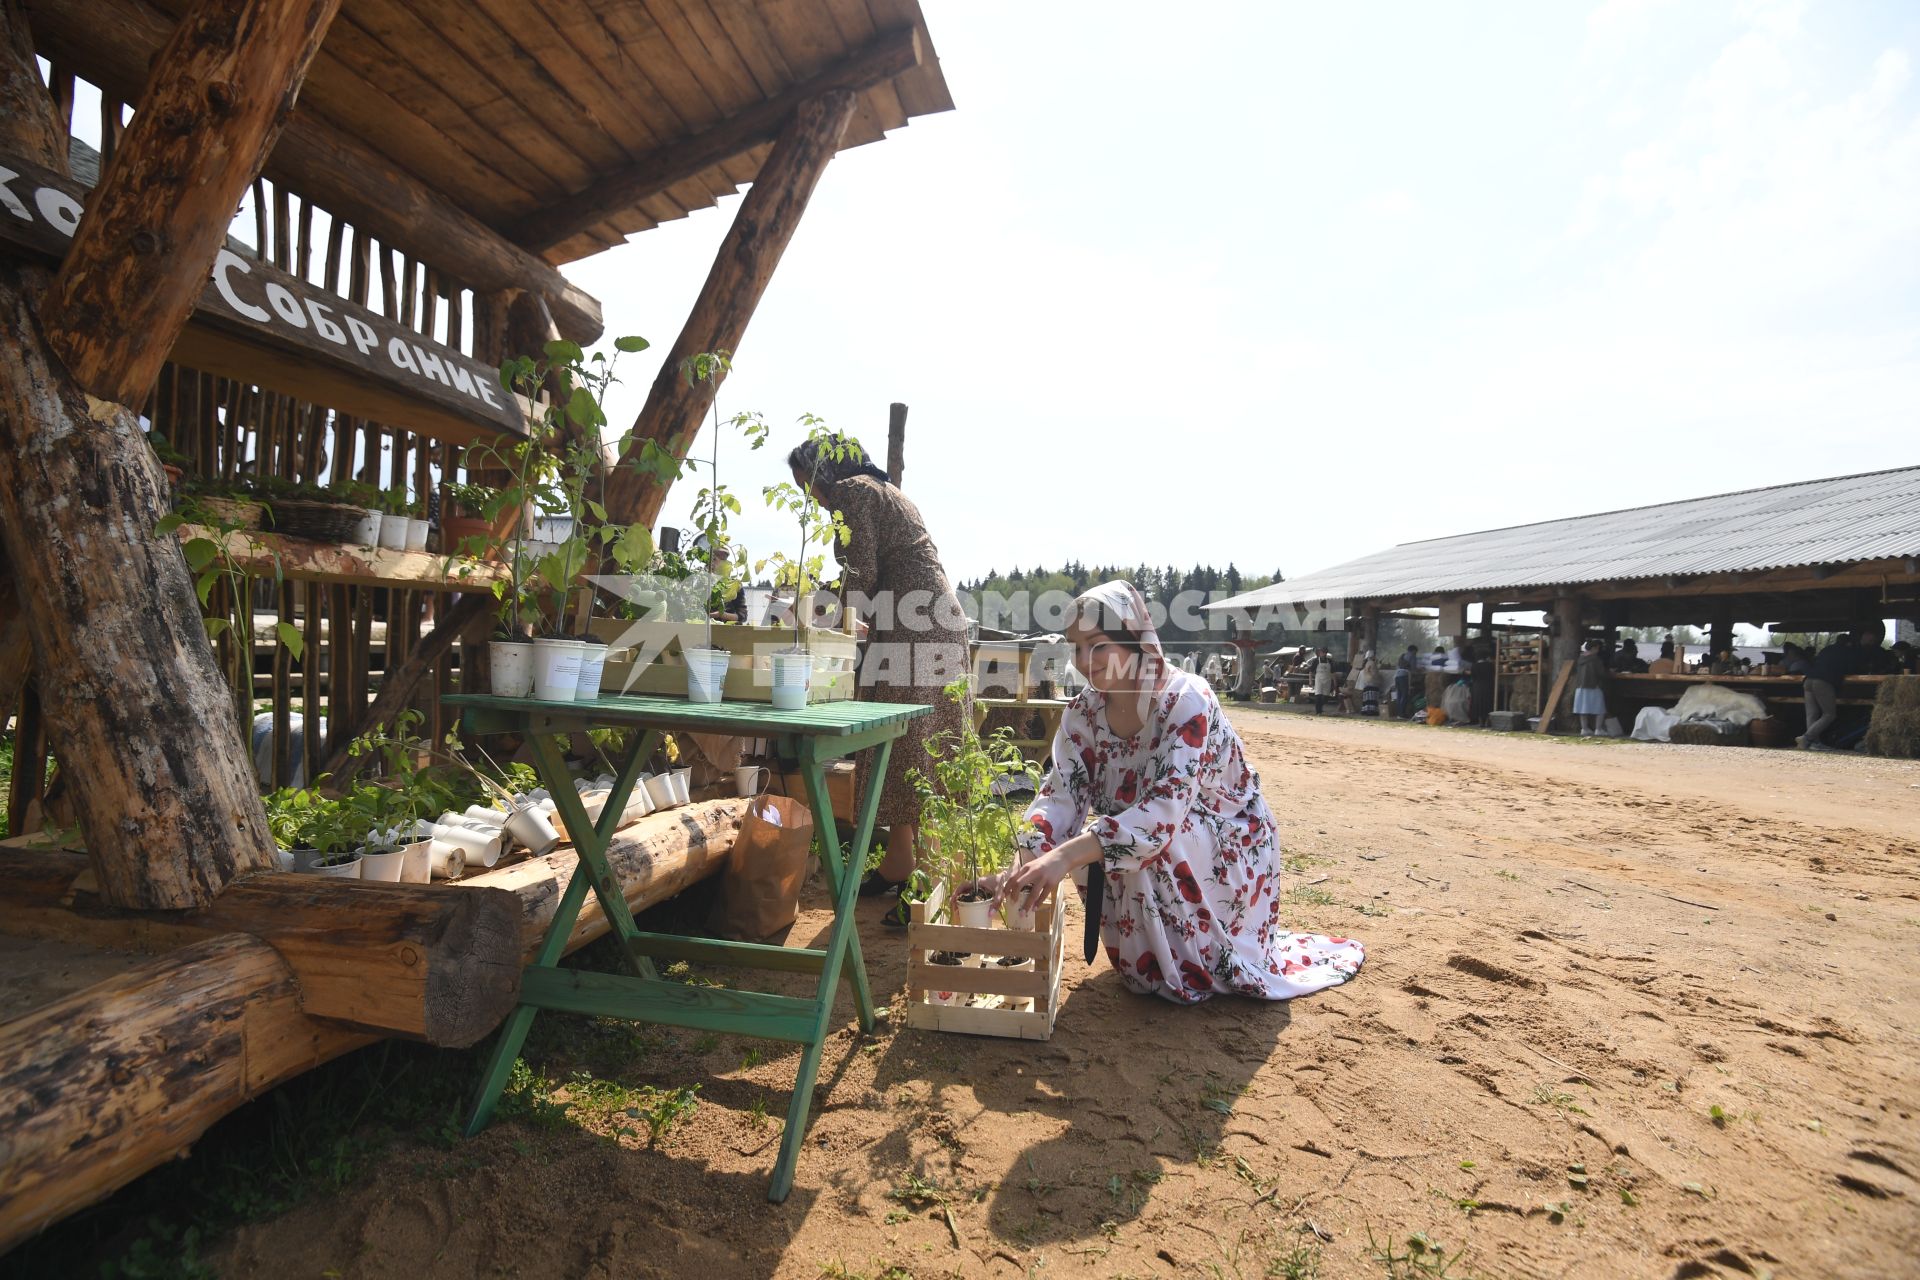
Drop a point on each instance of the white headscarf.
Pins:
(1120, 602)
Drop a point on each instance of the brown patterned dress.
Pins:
(891, 574)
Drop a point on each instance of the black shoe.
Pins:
(898, 915)
(878, 886)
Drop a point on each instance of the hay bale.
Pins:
(1894, 730)
(1900, 693)
(1710, 733)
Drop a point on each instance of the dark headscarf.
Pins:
(810, 459)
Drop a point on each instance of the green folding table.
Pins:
(815, 735)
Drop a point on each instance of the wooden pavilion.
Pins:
(1830, 554)
(419, 170)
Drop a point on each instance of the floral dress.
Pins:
(1192, 858)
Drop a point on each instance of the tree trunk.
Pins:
(752, 248)
(135, 705)
(208, 118)
(112, 1081)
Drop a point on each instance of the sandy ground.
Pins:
(1629, 1010)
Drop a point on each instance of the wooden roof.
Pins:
(513, 107)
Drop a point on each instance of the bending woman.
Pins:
(1184, 858)
(918, 643)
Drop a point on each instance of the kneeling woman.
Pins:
(1185, 862)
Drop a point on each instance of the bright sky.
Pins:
(1284, 284)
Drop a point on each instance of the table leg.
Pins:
(843, 945)
(513, 1032)
(590, 839)
(591, 871)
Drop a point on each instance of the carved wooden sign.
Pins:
(261, 324)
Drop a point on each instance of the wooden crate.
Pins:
(999, 994)
(749, 672)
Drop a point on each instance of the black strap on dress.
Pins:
(1096, 891)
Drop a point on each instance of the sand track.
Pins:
(1577, 953)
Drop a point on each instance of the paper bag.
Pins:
(714, 758)
(760, 886)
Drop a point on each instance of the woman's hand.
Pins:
(1028, 884)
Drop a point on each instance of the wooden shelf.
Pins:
(300, 560)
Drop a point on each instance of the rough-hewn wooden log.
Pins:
(111, 42)
(760, 232)
(887, 55)
(16, 645)
(406, 960)
(468, 619)
(135, 705)
(201, 129)
(114, 1080)
(655, 858)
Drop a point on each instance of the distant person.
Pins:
(1905, 654)
(1664, 664)
(1628, 659)
(1322, 680)
(1794, 660)
(1403, 681)
(1873, 658)
(1438, 662)
(1479, 660)
(1589, 689)
(1363, 687)
(1821, 689)
(1456, 659)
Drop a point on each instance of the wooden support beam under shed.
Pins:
(896, 442)
(881, 59)
(203, 126)
(741, 269)
(112, 42)
(135, 705)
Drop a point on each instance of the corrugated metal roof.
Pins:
(1838, 521)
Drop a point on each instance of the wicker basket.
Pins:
(240, 513)
(318, 521)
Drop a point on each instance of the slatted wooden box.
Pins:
(749, 672)
(1017, 1003)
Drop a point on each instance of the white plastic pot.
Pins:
(380, 865)
(792, 678)
(659, 789)
(416, 866)
(946, 998)
(393, 532)
(482, 845)
(683, 785)
(759, 604)
(283, 858)
(447, 860)
(973, 915)
(341, 870)
(417, 530)
(706, 674)
(556, 669)
(641, 804)
(531, 827)
(512, 663)
(477, 813)
(593, 658)
(367, 532)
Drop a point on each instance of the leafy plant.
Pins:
(211, 564)
(966, 820)
(392, 502)
(819, 525)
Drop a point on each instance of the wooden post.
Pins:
(135, 705)
(896, 442)
(210, 113)
(745, 263)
